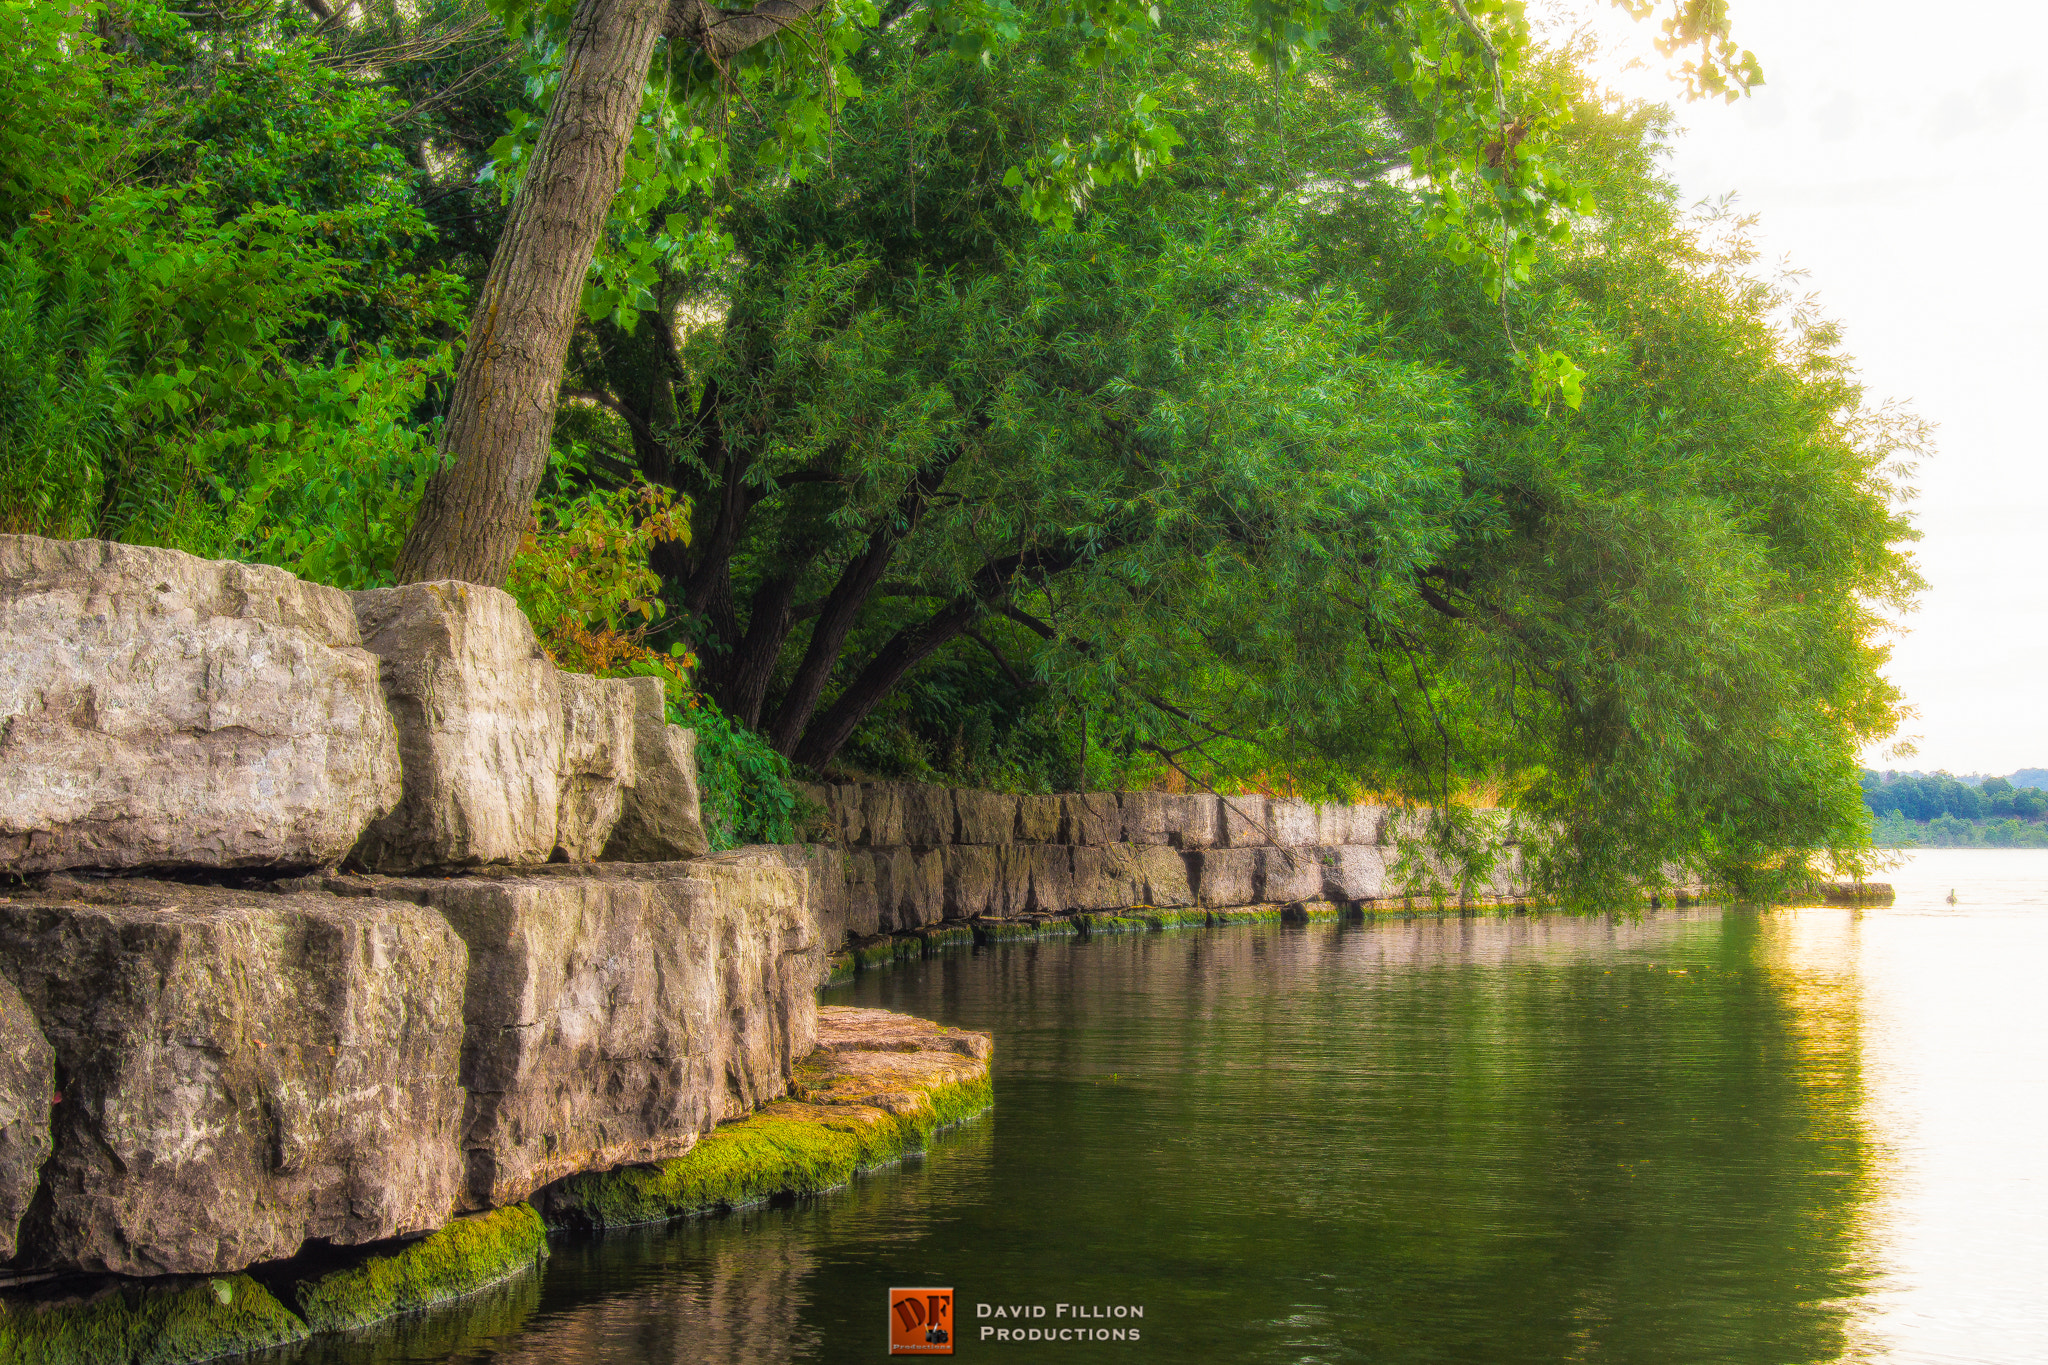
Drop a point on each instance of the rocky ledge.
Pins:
(878, 1085)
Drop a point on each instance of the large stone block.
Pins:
(881, 811)
(825, 876)
(1339, 824)
(1091, 818)
(1011, 894)
(1203, 827)
(1107, 877)
(615, 1012)
(972, 881)
(1353, 872)
(985, 817)
(1049, 870)
(478, 709)
(660, 819)
(1038, 819)
(924, 889)
(910, 887)
(1165, 876)
(25, 1090)
(598, 748)
(1223, 877)
(928, 817)
(1244, 822)
(1152, 817)
(241, 1071)
(1287, 875)
(160, 710)
(843, 802)
(1292, 822)
(863, 904)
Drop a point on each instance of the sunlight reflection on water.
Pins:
(1955, 1070)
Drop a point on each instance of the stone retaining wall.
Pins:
(897, 857)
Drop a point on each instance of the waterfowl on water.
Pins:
(1951, 896)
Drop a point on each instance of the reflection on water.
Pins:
(1801, 1136)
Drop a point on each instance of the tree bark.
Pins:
(502, 413)
(475, 511)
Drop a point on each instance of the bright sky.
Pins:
(1901, 157)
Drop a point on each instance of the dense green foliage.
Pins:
(214, 333)
(1935, 810)
(1228, 474)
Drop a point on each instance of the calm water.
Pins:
(1809, 1135)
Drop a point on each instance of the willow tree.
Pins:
(786, 62)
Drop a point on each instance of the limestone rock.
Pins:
(1107, 877)
(616, 1011)
(479, 715)
(1339, 824)
(1038, 819)
(1224, 877)
(25, 1090)
(161, 710)
(971, 881)
(599, 738)
(863, 905)
(1165, 876)
(1091, 818)
(928, 818)
(1152, 817)
(660, 818)
(985, 817)
(1287, 875)
(1244, 822)
(887, 1061)
(1203, 827)
(1292, 822)
(1354, 873)
(825, 874)
(1048, 871)
(881, 813)
(920, 887)
(241, 1071)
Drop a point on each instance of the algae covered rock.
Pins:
(479, 714)
(878, 1085)
(25, 1090)
(175, 1322)
(241, 1071)
(161, 710)
(467, 1255)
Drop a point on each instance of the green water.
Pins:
(1802, 1136)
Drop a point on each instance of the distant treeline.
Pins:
(1935, 810)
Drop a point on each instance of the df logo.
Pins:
(920, 1322)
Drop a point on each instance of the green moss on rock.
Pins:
(155, 1322)
(948, 936)
(838, 968)
(1246, 914)
(1097, 925)
(786, 1148)
(460, 1259)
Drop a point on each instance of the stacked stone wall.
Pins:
(899, 857)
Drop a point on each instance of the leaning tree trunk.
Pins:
(502, 415)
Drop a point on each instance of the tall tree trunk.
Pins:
(474, 513)
(503, 411)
